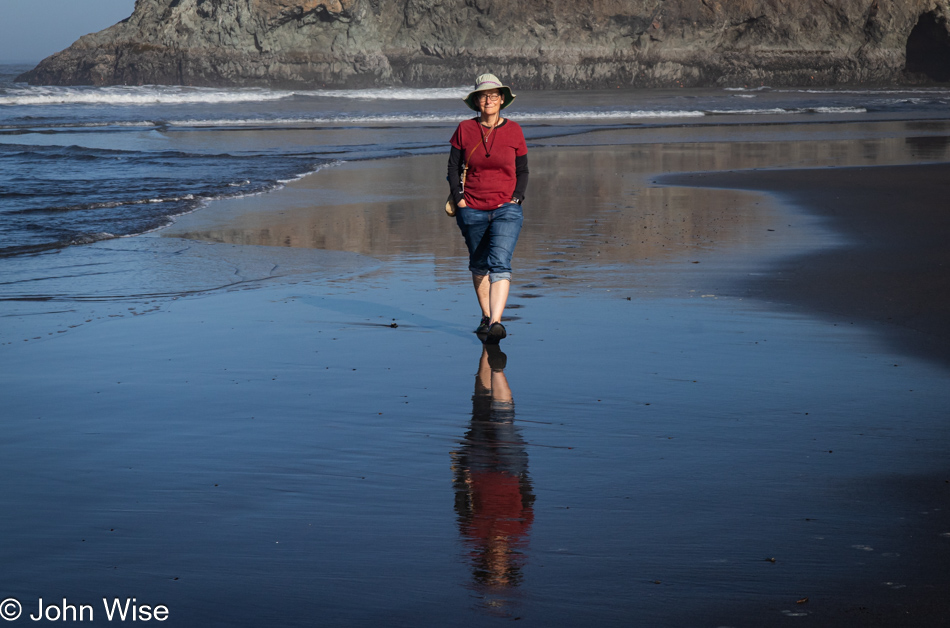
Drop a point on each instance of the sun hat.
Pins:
(484, 83)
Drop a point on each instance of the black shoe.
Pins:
(495, 333)
(483, 326)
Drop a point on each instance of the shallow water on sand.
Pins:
(280, 454)
(590, 207)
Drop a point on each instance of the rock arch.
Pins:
(928, 47)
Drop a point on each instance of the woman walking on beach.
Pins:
(489, 207)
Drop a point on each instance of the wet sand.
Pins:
(890, 273)
(276, 412)
(892, 268)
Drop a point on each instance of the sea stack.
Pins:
(538, 43)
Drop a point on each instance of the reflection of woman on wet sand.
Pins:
(493, 495)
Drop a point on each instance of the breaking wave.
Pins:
(179, 95)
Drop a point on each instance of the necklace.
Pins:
(486, 136)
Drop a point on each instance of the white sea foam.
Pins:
(540, 116)
(147, 95)
(831, 91)
(747, 112)
(179, 95)
(404, 118)
(89, 238)
(395, 93)
(314, 120)
(838, 110)
(80, 125)
(570, 116)
(342, 119)
(302, 175)
(204, 201)
(378, 119)
(781, 111)
(930, 91)
(608, 115)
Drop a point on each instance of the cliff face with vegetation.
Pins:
(534, 43)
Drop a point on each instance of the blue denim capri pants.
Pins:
(490, 236)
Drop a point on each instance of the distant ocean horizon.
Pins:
(85, 164)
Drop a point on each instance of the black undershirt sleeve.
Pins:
(521, 178)
(455, 174)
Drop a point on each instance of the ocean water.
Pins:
(84, 164)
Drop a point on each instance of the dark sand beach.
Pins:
(727, 357)
(893, 267)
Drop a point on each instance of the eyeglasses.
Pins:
(491, 97)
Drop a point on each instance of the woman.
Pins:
(489, 208)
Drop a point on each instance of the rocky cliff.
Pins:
(535, 43)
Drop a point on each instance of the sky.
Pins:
(31, 30)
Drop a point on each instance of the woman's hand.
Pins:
(461, 203)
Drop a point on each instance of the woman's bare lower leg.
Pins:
(482, 292)
(498, 299)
